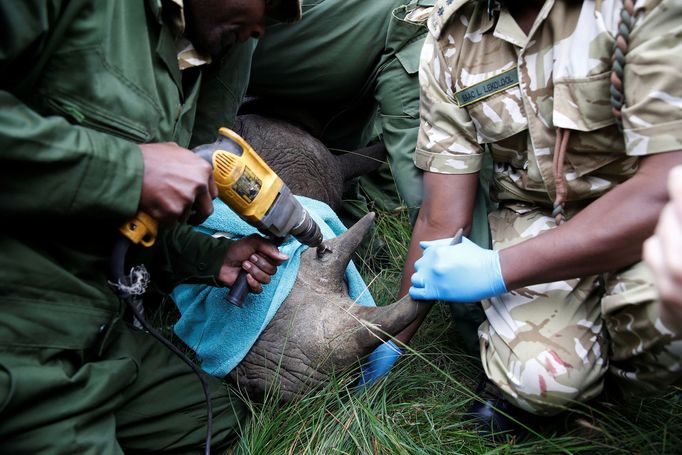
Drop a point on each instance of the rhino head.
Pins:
(319, 329)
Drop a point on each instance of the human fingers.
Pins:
(668, 234)
(675, 182)
(417, 280)
(202, 208)
(257, 272)
(675, 191)
(267, 265)
(419, 293)
(254, 284)
(654, 255)
(439, 242)
(212, 187)
(268, 250)
(204, 192)
(173, 179)
(418, 264)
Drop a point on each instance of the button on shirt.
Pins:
(485, 82)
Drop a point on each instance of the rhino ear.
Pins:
(386, 321)
(325, 270)
(361, 161)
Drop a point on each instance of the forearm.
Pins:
(49, 167)
(448, 206)
(183, 255)
(604, 237)
(426, 229)
(421, 231)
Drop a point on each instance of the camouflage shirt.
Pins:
(484, 81)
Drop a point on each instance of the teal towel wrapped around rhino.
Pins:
(221, 334)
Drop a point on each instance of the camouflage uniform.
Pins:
(488, 88)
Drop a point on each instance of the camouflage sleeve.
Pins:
(652, 117)
(446, 142)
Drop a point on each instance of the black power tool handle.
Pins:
(238, 290)
(241, 288)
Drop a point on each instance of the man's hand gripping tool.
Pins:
(258, 195)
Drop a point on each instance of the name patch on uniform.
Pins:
(487, 88)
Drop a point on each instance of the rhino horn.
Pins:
(324, 273)
(324, 270)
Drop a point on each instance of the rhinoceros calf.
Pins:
(318, 329)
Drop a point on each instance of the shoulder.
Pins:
(445, 10)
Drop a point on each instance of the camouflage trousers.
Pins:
(550, 345)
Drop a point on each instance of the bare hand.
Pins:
(254, 254)
(175, 182)
(663, 253)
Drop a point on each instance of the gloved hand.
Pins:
(378, 364)
(458, 273)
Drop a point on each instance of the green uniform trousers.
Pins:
(124, 392)
(354, 64)
(551, 345)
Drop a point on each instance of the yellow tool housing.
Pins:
(245, 182)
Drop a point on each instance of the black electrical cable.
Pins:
(118, 276)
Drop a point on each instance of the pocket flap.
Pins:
(583, 104)
(408, 56)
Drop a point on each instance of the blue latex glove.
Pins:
(458, 273)
(378, 364)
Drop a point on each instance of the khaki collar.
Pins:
(443, 11)
(507, 29)
(188, 56)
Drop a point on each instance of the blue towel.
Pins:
(220, 333)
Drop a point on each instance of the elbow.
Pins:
(436, 224)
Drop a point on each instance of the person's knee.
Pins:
(546, 386)
(230, 416)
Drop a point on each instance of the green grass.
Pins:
(418, 408)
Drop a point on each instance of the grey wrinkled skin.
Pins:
(303, 162)
(318, 329)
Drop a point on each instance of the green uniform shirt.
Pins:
(81, 84)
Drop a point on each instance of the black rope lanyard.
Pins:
(620, 48)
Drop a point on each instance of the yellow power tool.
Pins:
(254, 191)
